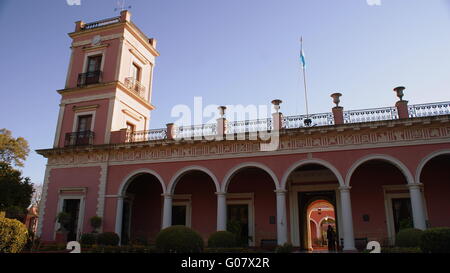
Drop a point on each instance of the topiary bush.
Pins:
(222, 239)
(88, 239)
(108, 239)
(179, 239)
(435, 240)
(96, 222)
(409, 237)
(13, 235)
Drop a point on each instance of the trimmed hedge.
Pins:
(222, 239)
(401, 250)
(96, 222)
(233, 250)
(108, 239)
(285, 248)
(88, 239)
(435, 240)
(13, 235)
(179, 239)
(409, 237)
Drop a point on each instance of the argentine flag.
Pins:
(302, 58)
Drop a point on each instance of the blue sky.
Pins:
(232, 52)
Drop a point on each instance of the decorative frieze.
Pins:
(288, 142)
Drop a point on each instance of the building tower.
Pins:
(108, 88)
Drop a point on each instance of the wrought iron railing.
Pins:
(135, 86)
(323, 119)
(369, 115)
(246, 126)
(291, 122)
(195, 131)
(148, 135)
(79, 138)
(88, 78)
(101, 23)
(429, 109)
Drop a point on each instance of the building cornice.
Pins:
(428, 130)
(108, 85)
(132, 28)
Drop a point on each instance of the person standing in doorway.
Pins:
(331, 237)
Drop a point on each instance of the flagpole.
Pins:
(304, 79)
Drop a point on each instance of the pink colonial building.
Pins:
(374, 171)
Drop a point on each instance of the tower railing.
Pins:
(101, 23)
(88, 78)
(79, 138)
(135, 86)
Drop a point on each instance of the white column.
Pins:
(221, 211)
(418, 209)
(167, 211)
(119, 215)
(347, 220)
(281, 217)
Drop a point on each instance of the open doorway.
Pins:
(317, 214)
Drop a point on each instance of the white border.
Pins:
(425, 160)
(61, 199)
(293, 209)
(383, 157)
(93, 53)
(308, 161)
(231, 172)
(180, 173)
(187, 203)
(75, 120)
(249, 201)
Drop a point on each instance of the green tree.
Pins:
(12, 150)
(15, 191)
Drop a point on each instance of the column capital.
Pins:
(221, 193)
(344, 188)
(280, 191)
(167, 195)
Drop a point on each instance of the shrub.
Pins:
(400, 250)
(108, 239)
(96, 222)
(409, 237)
(222, 239)
(88, 239)
(13, 235)
(179, 239)
(285, 248)
(63, 218)
(435, 240)
(232, 250)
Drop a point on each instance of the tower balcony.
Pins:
(85, 79)
(135, 86)
(79, 138)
